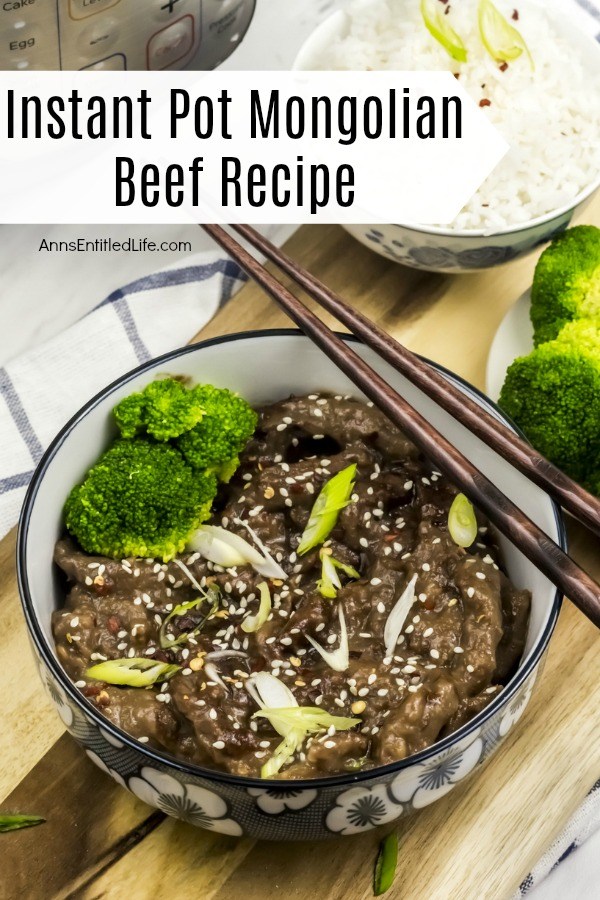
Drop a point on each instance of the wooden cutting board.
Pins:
(475, 844)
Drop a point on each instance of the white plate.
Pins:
(513, 338)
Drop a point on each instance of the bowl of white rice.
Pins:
(548, 112)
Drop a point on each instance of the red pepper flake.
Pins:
(485, 102)
(515, 15)
(503, 66)
(456, 75)
(113, 624)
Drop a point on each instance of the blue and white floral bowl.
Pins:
(452, 250)
(272, 810)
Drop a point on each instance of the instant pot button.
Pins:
(98, 37)
(171, 44)
(114, 63)
(169, 10)
(81, 9)
(22, 43)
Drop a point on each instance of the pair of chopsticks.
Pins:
(537, 546)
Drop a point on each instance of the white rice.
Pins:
(549, 116)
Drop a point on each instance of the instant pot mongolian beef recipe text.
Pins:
(292, 592)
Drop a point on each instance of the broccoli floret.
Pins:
(164, 409)
(225, 428)
(140, 499)
(566, 284)
(554, 396)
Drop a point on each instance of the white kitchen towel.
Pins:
(41, 389)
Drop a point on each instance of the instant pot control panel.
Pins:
(120, 34)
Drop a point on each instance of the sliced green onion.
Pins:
(224, 548)
(282, 753)
(385, 864)
(329, 582)
(269, 692)
(213, 594)
(333, 497)
(462, 522)
(15, 823)
(339, 659)
(436, 22)
(309, 719)
(253, 623)
(266, 690)
(136, 672)
(289, 720)
(269, 567)
(397, 617)
(295, 723)
(501, 40)
(355, 765)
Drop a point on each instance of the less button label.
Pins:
(81, 9)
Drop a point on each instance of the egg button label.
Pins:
(259, 147)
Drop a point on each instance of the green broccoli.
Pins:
(224, 430)
(554, 396)
(566, 284)
(164, 409)
(140, 499)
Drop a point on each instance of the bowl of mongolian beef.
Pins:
(260, 608)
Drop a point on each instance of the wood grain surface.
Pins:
(475, 844)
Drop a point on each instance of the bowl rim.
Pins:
(446, 230)
(162, 758)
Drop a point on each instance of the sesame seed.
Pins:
(381, 607)
(480, 575)
(329, 744)
(372, 678)
(408, 485)
(435, 654)
(470, 592)
(428, 632)
(426, 567)
(382, 692)
(363, 692)
(219, 745)
(363, 542)
(375, 581)
(458, 650)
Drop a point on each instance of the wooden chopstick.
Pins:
(464, 409)
(500, 510)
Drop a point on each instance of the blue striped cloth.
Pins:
(41, 389)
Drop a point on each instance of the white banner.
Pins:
(260, 147)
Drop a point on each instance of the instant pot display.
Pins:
(120, 34)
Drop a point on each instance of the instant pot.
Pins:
(120, 34)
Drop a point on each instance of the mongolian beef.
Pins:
(326, 620)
